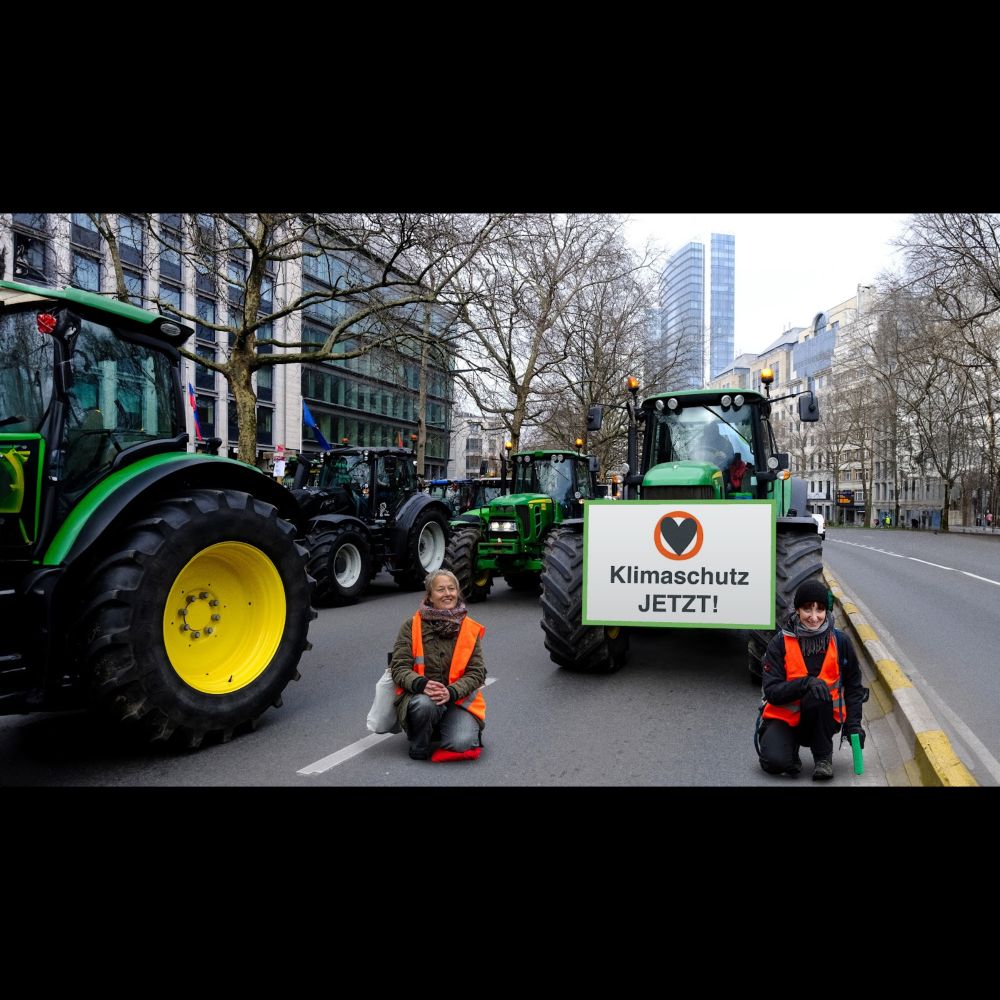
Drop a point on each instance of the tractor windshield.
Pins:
(25, 372)
(121, 393)
(702, 434)
(558, 476)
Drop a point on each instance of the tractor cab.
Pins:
(565, 476)
(370, 483)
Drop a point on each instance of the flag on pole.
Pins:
(310, 421)
(399, 437)
(194, 409)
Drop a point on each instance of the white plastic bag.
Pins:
(382, 716)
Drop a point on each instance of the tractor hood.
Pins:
(684, 474)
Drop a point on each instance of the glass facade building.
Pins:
(697, 310)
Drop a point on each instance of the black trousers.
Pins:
(779, 741)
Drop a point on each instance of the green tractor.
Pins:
(507, 535)
(157, 587)
(709, 458)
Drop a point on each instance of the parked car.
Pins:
(820, 525)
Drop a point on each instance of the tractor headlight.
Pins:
(501, 526)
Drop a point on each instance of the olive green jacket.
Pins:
(437, 661)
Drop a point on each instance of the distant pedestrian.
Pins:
(888, 521)
(811, 687)
(989, 519)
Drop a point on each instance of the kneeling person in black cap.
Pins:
(812, 687)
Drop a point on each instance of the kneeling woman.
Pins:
(438, 668)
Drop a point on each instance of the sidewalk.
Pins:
(911, 747)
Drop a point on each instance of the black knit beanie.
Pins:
(811, 590)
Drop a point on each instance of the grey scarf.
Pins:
(811, 642)
(444, 622)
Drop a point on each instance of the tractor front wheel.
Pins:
(461, 557)
(586, 648)
(425, 548)
(340, 563)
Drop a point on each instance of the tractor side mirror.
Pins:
(595, 417)
(808, 408)
(301, 475)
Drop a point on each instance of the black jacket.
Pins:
(778, 690)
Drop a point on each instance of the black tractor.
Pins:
(364, 512)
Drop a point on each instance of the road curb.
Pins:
(936, 762)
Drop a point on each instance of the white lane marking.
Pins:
(896, 555)
(359, 746)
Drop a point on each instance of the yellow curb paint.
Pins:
(849, 609)
(938, 763)
(865, 632)
(892, 675)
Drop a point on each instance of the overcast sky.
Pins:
(788, 266)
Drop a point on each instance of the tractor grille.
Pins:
(677, 493)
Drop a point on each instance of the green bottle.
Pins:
(859, 760)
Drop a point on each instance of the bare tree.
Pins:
(356, 268)
(522, 291)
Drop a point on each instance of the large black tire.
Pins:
(340, 563)
(524, 580)
(586, 648)
(461, 557)
(196, 620)
(799, 557)
(426, 543)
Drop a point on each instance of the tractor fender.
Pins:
(399, 533)
(797, 524)
(573, 524)
(335, 521)
(115, 499)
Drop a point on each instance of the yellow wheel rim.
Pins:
(224, 618)
(612, 633)
(482, 580)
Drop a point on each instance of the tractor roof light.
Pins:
(673, 403)
(738, 401)
(658, 405)
(784, 474)
(726, 401)
(766, 375)
(633, 383)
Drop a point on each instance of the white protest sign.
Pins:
(279, 468)
(677, 563)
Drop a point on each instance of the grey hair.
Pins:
(434, 574)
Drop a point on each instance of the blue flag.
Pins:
(310, 421)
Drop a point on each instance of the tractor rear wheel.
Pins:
(461, 557)
(195, 623)
(798, 557)
(586, 648)
(340, 563)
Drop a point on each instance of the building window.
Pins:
(206, 415)
(170, 295)
(85, 272)
(204, 378)
(205, 311)
(29, 258)
(133, 284)
(130, 240)
(84, 232)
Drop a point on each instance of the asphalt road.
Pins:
(933, 599)
(680, 713)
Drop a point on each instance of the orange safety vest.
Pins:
(466, 642)
(795, 666)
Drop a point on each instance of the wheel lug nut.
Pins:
(182, 612)
(195, 635)
(185, 627)
(216, 618)
(213, 603)
(209, 630)
(203, 596)
(190, 598)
